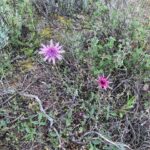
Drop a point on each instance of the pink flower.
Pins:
(51, 52)
(103, 82)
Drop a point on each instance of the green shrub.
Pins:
(118, 43)
(5, 63)
(63, 7)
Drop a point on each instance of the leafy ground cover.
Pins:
(51, 106)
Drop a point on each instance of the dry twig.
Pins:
(117, 144)
(50, 119)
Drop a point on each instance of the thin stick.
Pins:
(40, 105)
(117, 144)
(50, 119)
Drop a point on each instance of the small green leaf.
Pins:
(96, 142)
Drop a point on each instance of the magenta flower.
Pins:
(51, 52)
(103, 82)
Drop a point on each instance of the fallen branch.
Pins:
(40, 105)
(36, 98)
(116, 144)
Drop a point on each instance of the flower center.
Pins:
(52, 52)
(103, 82)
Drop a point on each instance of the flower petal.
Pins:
(51, 43)
(53, 60)
(49, 60)
(42, 45)
(42, 51)
(61, 51)
(59, 57)
(57, 45)
(46, 58)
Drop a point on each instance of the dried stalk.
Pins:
(50, 119)
(116, 144)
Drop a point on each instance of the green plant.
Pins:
(125, 108)
(112, 48)
(18, 20)
(10, 15)
(5, 63)
(4, 31)
(63, 7)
